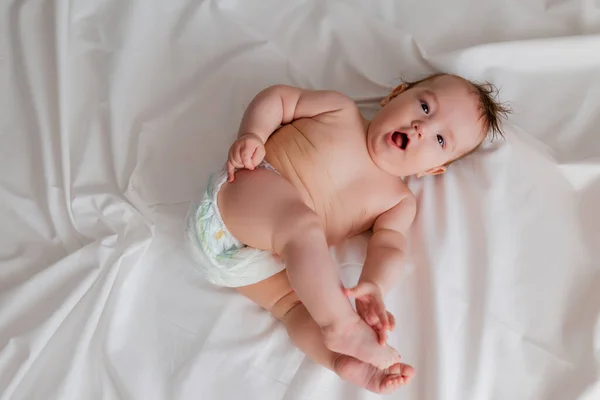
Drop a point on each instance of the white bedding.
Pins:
(114, 112)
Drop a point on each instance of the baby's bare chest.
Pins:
(331, 167)
(354, 208)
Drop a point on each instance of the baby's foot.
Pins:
(367, 376)
(357, 339)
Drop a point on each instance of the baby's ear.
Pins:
(433, 171)
(395, 92)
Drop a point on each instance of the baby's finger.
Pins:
(361, 310)
(235, 149)
(372, 319)
(236, 160)
(246, 155)
(230, 171)
(357, 291)
(392, 321)
(258, 155)
(383, 318)
(238, 151)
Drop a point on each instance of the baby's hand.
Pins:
(370, 307)
(246, 152)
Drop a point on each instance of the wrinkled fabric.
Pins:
(115, 112)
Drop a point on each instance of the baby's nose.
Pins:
(417, 130)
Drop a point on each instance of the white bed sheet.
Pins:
(114, 112)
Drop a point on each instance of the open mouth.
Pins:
(400, 139)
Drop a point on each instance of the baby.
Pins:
(308, 171)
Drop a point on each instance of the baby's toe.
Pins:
(395, 369)
(408, 371)
(391, 382)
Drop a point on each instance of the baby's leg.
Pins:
(263, 210)
(276, 295)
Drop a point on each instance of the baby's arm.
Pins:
(279, 105)
(386, 254)
(275, 106)
(386, 251)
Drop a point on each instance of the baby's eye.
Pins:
(425, 107)
(441, 140)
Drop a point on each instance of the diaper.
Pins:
(221, 258)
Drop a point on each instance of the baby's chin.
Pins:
(388, 162)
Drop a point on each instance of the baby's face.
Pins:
(425, 127)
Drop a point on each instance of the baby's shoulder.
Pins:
(400, 212)
(394, 190)
(343, 110)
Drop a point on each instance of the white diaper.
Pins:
(221, 258)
